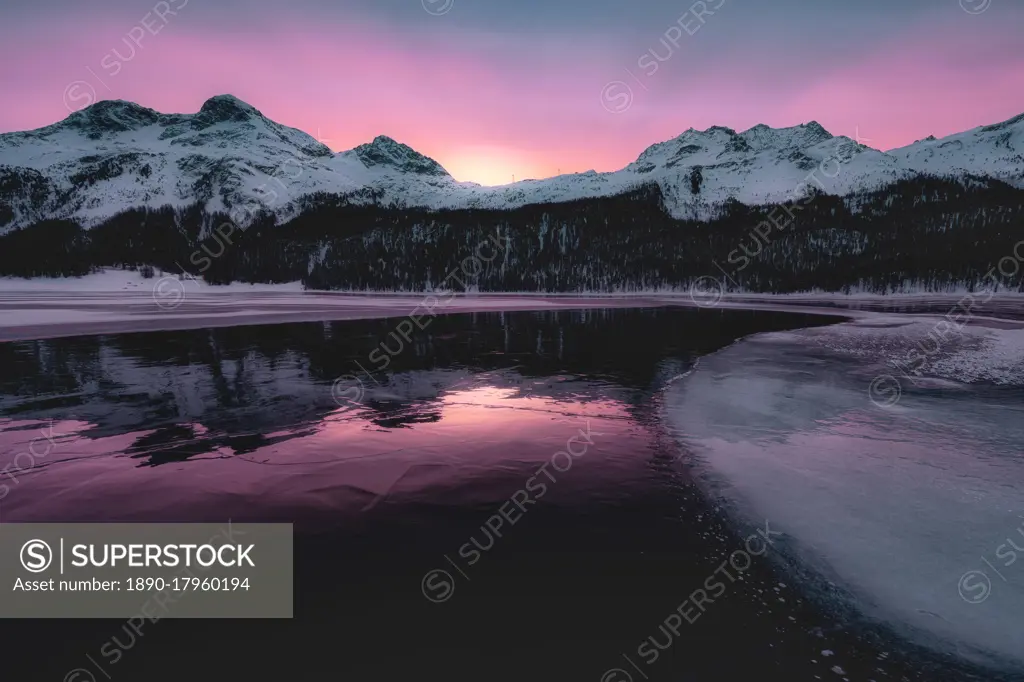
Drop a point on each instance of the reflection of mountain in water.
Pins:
(236, 390)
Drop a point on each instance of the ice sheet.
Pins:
(905, 499)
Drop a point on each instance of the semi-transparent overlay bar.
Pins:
(146, 570)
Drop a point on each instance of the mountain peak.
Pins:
(816, 131)
(800, 136)
(385, 151)
(110, 116)
(227, 108)
(724, 129)
(718, 140)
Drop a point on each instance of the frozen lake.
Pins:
(883, 456)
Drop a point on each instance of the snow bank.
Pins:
(117, 280)
(926, 348)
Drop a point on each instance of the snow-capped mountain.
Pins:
(116, 155)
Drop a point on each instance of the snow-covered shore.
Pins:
(113, 301)
(117, 301)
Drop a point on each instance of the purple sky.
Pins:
(528, 88)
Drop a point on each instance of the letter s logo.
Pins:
(36, 556)
(78, 95)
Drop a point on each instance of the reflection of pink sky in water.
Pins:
(477, 446)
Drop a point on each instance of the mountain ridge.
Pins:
(116, 155)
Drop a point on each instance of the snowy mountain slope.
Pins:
(700, 170)
(995, 151)
(116, 155)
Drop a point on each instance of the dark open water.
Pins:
(389, 491)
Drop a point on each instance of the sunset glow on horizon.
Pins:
(490, 102)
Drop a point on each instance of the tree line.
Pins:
(927, 233)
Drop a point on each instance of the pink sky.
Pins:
(487, 111)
